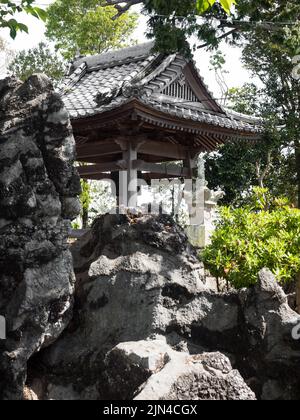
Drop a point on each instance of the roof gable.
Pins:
(180, 90)
(184, 90)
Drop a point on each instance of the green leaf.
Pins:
(227, 4)
(13, 31)
(203, 5)
(42, 14)
(23, 27)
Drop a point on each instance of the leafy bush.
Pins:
(265, 233)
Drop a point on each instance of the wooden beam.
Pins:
(163, 149)
(168, 170)
(97, 177)
(148, 176)
(101, 167)
(154, 148)
(102, 159)
(163, 169)
(97, 149)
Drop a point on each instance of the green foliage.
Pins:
(85, 197)
(246, 100)
(269, 54)
(172, 22)
(266, 233)
(9, 8)
(87, 27)
(203, 5)
(37, 60)
(96, 198)
(217, 61)
(239, 165)
(232, 169)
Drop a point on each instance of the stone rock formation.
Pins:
(38, 198)
(130, 272)
(142, 306)
(152, 370)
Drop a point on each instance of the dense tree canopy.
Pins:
(86, 27)
(37, 60)
(173, 22)
(269, 50)
(236, 167)
(269, 55)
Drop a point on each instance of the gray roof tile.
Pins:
(103, 82)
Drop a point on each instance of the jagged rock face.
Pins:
(138, 280)
(151, 370)
(273, 355)
(130, 272)
(38, 198)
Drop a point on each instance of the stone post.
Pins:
(205, 201)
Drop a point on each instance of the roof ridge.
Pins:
(232, 113)
(69, 81)
(165, 63)
(115, 57)
(134, 79)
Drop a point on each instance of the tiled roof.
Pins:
(113, 58)
(107, 81)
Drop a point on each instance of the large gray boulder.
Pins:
(273, 354)
(139, 280)
(132, 275)
(152, 370)
(38, 198)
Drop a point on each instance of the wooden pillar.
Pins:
(128, 182)
(115, 176)
(123, 187)
(132, 183)
(189, 163)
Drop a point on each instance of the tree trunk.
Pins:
(297, 154)
(298, 294)
(85, 218)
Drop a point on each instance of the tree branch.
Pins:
(225, 35)
(122, 6)
(262, 175)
